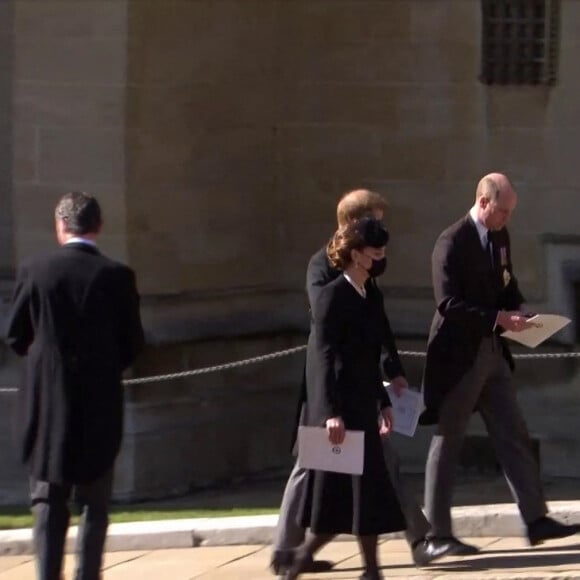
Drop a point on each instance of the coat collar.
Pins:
(81, 246)
(469, 221)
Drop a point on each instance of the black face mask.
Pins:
(377, 268)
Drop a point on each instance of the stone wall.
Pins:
(246, 120)
(219, 135)
(68, 101)
(6, 142)
(189, 433)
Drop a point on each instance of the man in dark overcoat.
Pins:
(468, 365)
(75, 317)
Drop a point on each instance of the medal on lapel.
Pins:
(503, 256)
(504, 263)
(506, 277)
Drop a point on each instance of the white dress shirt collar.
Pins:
(80, 240)
(481, 229)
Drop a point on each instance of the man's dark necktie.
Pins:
(489, 249)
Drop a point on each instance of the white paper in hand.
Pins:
(315, 451)
(406, 409)
(545, 325)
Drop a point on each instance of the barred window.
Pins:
(519, 42)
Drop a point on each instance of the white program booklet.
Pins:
(315, 451)
(545, 325)
(406, 409)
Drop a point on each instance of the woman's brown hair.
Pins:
(367, 232)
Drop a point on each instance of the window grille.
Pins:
(519, 42)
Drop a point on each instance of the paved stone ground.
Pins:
(501, 558)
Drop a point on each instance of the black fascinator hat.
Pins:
(372, 232)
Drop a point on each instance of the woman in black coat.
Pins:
(344, 391)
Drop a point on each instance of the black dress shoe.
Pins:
(451, 546)
(282, 562)
(546, 528)
(317, 566)
(426, 550)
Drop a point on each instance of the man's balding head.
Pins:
(493, 185)
(495, 199)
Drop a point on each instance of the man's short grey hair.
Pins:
(80, 212)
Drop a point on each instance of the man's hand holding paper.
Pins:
(537, 328)
(513, 321)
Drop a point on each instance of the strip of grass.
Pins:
(12, 518)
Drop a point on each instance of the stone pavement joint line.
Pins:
(500, 559)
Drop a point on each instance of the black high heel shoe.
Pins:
(299, 565)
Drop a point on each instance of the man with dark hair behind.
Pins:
(75, 316)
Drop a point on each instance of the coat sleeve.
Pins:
(318, 275)
(452, 304)
(132, 338)
(328, 322)
(19, 328)
(392, 365)
(383, 395)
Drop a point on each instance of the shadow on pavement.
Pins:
(506, 559)
(537, 550)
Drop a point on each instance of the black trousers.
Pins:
(50, 506)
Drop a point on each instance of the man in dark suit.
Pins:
(75, 316)
(468, 365)
(353, 206)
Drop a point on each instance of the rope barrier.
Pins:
(216, 368)
(413, 353)
(286, 352)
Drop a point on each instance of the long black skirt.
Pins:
(337, 503)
